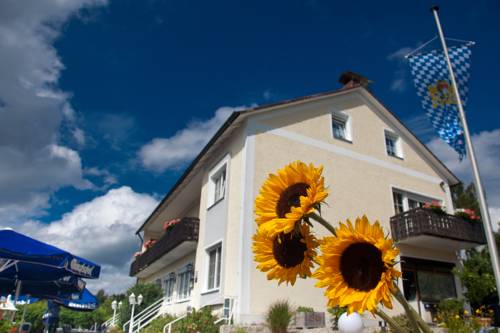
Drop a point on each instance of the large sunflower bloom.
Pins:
(285, 256)
(286, 197)
(357, 267)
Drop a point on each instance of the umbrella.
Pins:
(25, 258)
(84, 301)
(60, 288)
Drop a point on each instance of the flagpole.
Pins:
(490, 238)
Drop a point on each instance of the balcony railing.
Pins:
(186, 230)
(421, 221)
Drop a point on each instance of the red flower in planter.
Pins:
(170, 224)
(149, 243)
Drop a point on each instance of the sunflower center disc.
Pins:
(290, 197)
(288, 249)
(361, 266)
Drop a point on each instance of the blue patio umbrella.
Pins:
(24, 258)
(60, 288)
(84, 301)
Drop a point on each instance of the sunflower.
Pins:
(357, 267)
(285, 256)
(286, 197)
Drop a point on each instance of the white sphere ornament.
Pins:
(350, 323)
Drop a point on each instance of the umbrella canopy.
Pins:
(25, 258)
(61, 288)
(85, 301)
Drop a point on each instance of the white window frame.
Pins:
(221, 168)
(180, 272)
(218, 270)
(398, 145)
(169, 299)
(409, 195)
(342, 117)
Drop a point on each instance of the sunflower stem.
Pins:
(414, 317)
(394, 325)
(323, 222)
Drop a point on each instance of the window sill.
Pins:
(396, 156)
(215, 203)
(343, 140)
(210, 291)
(184, 300)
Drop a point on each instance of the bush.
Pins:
(304, 309)
(151, 292)
(115, 330)
(5, 326)
(335, 314)
(279, 316)
(157, 325)
(197, 321)
(449, 308)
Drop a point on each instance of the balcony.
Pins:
(426, 228)
(174, 244)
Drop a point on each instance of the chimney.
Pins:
(350, 80)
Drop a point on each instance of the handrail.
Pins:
(141, 324)
(170, 323)
(140, 314)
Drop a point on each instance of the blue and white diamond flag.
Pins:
(432, 80)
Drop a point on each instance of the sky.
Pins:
(103, 103)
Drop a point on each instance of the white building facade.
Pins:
(373, 165)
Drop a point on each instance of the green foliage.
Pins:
(465, 198)
(304, 309)
(5, 326)
(335, 314)
(240, 330)
(477, 276)
(197, 321)
(115, 330)
(34, 313)
(457, 324)
(151, 292)
(157, 325)
(450, 307)
(279, 316)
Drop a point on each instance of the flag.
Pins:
(434, 87)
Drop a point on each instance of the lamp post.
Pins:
(115, 306)
(133, 301)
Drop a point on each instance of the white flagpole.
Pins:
(490, 238)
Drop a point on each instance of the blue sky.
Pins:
(128, 78)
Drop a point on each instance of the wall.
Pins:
(360, 176)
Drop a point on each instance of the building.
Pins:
(373, 165)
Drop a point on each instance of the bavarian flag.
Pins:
(432, 80)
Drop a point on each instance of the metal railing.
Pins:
(168, 326)
(186, 230)
(422, 221)
(144, 316)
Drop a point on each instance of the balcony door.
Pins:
(405, 201)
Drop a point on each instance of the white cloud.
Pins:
(399, 79)
(173, 152)
(487, 149)
(102, 230)
(33, 109)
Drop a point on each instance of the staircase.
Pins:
(145, 317)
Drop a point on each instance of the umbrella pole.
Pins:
(19, 284)
(23, 316)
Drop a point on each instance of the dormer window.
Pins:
(393, 144)
(341, 126)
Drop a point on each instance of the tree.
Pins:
(465, 198)
(150, 292)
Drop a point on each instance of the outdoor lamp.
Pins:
(139, 299)
(351, 323)
(131, 299)
(120, 303)
(114, 305)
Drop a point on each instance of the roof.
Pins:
(237, 115)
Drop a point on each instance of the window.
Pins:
(427, 281)
(214, 267)
(404, 201)
(217, 182)
(398, 202)
(341, 126)
(393, 145)
(184, 286)
(169, 287)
